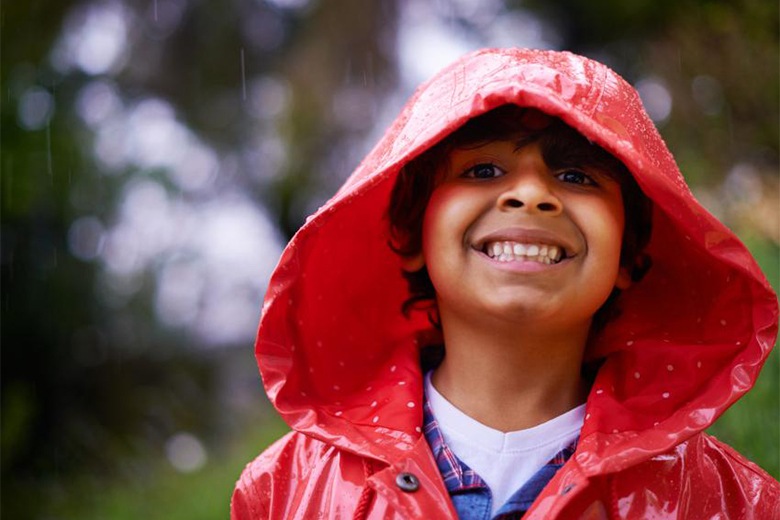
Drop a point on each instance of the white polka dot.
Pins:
(739, 343)
(410, 404)
(636, 375)
(665, 395)
(338, 412)
(587, 416)
(599, 391)
(375, 419)
(614, 431)
(698, 364)
(368, 389)
(401, 383)
(669, 367)
(417, 429)
(392, 368)
(373, 404)
(655, 423)
(630, 342)
(723, 322)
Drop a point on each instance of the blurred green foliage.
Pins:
(92, 389)
(165, 493)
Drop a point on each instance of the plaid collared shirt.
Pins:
(470, 494)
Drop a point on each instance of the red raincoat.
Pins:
(340, 362)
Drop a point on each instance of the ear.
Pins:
(623, 280)
(414, 263)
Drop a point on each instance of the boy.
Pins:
(562, 385)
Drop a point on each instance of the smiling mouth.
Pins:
(510, 251)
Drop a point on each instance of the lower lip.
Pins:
(523, 266)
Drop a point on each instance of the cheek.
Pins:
(607, 224)
(445, 217)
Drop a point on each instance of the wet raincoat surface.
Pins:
(340, 362)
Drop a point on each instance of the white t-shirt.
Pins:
(505, 461)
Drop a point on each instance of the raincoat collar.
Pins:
(340, 362)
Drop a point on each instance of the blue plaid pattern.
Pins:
(469, 493)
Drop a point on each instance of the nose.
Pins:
(530, 191)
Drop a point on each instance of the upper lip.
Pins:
(526, 236)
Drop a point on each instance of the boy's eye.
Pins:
(483, 171)
(576, 177)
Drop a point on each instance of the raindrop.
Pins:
(243, 76)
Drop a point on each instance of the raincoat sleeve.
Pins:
(268, 485)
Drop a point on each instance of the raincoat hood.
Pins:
(339, 361)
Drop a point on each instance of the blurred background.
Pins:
(158, 154)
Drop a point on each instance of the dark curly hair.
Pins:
(561, 146)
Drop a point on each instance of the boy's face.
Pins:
(496, 206)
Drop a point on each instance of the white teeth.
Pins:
(513, 251)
